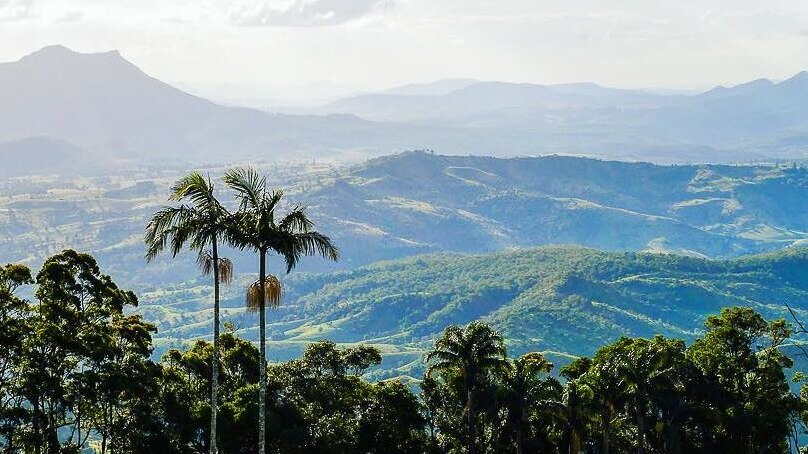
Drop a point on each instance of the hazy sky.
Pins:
(379, 43)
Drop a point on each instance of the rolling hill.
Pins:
(567, 300)
(416, 202)
(420, 202)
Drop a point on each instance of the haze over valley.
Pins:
(70, 110)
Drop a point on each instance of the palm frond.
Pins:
(296, 221)
(315, 243)
(249, 185)
(164, 228)
(194, 187)
(273, 294)
(272, 201)
(195, 223)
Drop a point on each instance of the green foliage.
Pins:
(80, 366)
(318, 402)
(76, 375)
(476, 354)
(726, 393)
(743, 364)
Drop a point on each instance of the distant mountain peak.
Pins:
(53, 49)
(58, 52)
(801, 78)
(436, 88)
(753, 85)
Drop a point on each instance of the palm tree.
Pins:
(474, 352)
(200, 224)
(261, 229)
(608, 393)
(526, 384)
(644, 365)
(575, 414)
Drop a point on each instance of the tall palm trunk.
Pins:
(472, 421)
(520, 429)
(606, 418)
(641, 423)
(262, 386)
(214, 388)
(38, 438)
(575, 442)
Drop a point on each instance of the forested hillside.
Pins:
(568, 300)
(416, 202)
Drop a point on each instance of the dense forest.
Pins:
(76, 375)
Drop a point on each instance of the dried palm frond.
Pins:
(205, 262)
(273, 293)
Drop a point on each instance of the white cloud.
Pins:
(72, 16)
(306, 13)
(16, 10)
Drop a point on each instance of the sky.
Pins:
(373, 44)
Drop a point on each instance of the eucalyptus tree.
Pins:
(85, 364)
(200, 224)
(15, 316)
(475, 352)
(262, 228)
(741, 355)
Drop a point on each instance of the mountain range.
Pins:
(104, 104)
(755, 120)
(108, 108)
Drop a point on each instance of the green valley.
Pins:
(565, 300)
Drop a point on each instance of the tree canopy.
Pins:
(76, 375)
